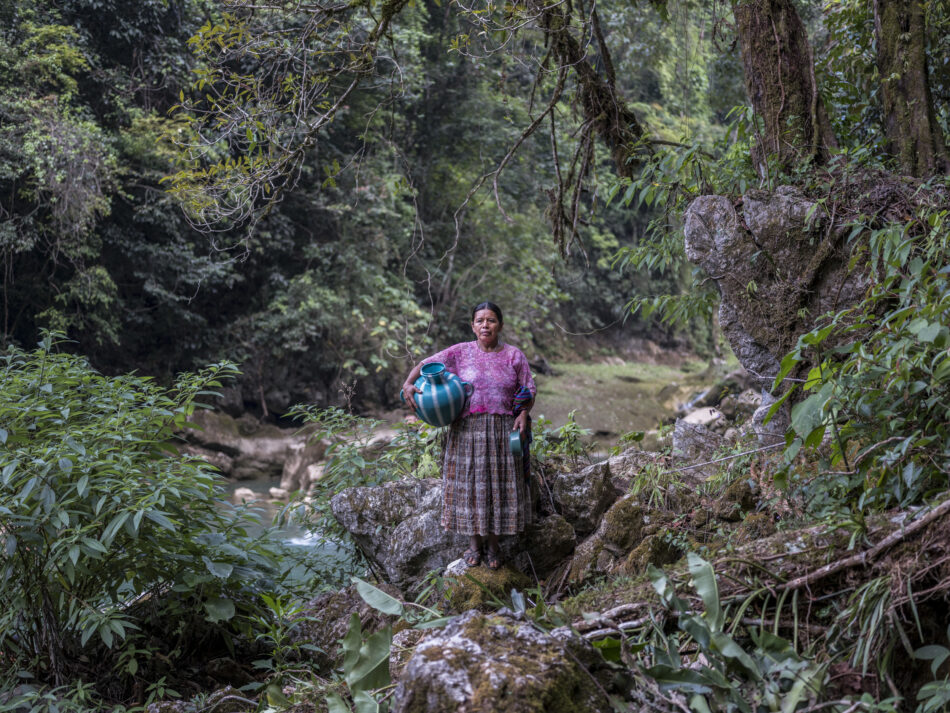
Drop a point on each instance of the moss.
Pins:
(735, 500)
(653, 550)
(463, 594)
(623, 525)
(757, 525)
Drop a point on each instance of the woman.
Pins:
(484, 489)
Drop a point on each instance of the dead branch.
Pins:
(862, 558)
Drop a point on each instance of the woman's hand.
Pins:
(521, 423)
(409, 391)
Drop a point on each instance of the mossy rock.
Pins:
(462, 593)
(655, 550)
(756, 526)
(736, 500)
(623, 525)
(590, 559)
(496, 664)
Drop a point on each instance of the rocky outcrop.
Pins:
(778, 263)
(628, 465)
(396, 525)
(584, 496)
(244, 448)
(626, 527)
(497, 664)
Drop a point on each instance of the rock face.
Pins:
(243, 449)
(696, 443)
(547, 541)
(778, 265)
(495, 664)
(582, 497)
(396, 525)
(627, 527)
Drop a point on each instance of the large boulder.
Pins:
(396, 525)
(496, 664)
(778, 263)
(584, 496)
(622, 528)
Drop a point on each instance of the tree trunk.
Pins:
(780, 81)
(913, 135)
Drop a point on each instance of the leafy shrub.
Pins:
(113, 547)
(879, 392)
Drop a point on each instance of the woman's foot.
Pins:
(493, 559)
(472, 557)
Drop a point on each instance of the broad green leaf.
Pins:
(351, 642)
(160, 519)
(377, 598)
(10, 467)
(335, 704)
(371, 670)
(219, 609)
(808, 415)
(680, 679)
(727, 646)
(363, 702)
(218, 569)
(704, 581)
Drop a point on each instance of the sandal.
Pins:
(493, 560)
(472, 557)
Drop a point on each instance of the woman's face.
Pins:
(486, 327)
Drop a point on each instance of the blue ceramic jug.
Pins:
(441, 396)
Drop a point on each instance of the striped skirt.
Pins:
(484, 490)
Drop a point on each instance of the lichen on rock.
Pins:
(496, 664)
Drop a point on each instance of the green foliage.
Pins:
(110, 538)
(566, 442)
(876, 401)
(766, 675)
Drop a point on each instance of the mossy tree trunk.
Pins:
(913, 135)
(780, 81)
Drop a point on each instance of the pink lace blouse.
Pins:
(496, 376)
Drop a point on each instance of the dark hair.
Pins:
(489, 305)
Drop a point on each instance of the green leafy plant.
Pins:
(876, 394)
(769, 675)
(563, 442)
(110, 538)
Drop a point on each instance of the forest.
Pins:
(250, 218)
